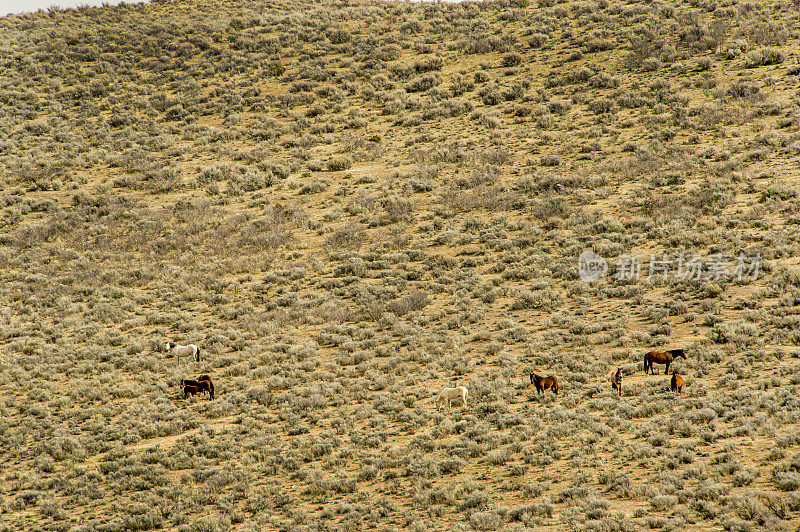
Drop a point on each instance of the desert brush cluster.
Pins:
(349, 206)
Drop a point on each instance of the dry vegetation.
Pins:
(350, 205)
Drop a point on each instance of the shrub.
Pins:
(601, 106)
(350, 236)
(511, 60)
(541, 299)
(415, 300)
(599, 45)
(550, 160)
(314, 187)
(339, 163)
(428, 81)
(338, 36)
(763, 57)
(537, 40)
(397, 209)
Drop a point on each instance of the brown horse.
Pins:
(662, 357)
(205, 384)
(189, 389)
(201, 384)
(616, 381)
(676, 384)
(544, 383)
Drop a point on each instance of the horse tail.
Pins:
(197, 353)
(555, 385)
(466, 393)
(211, 389)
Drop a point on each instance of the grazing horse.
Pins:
(544, 383)
(189, 389)
(450, 394)
(205, 384)
(676, 384)
(616, 381)
(662, 357)
(200, 385)
(179, 350)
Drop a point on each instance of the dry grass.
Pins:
(350, 206)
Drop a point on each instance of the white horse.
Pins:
(179, 351)
(450, 394)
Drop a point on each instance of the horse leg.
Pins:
(666, 367)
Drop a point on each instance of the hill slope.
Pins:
(350, 206)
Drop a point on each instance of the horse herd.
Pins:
(655, 357)
(203, 384)
(542, 384)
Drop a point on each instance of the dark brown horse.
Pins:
(661, 357)
(616, 381)
(200, 385)
(544, 383)
(676, 384)
(189, 389)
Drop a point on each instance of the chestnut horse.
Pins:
(662, 357)
(616, 381)
(544, 383)
(676, 384)
(201, 384)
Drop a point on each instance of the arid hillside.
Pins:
(349, 206)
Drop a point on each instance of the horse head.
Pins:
(677, 353)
